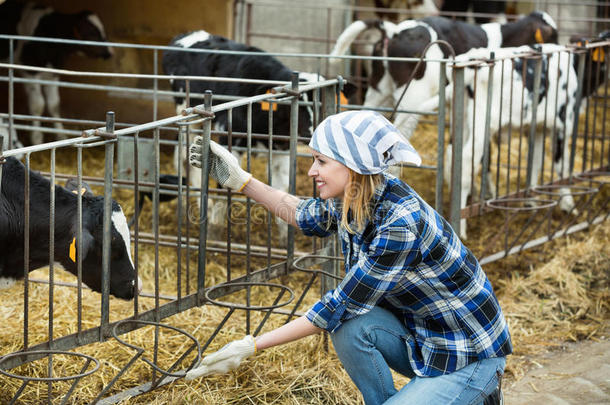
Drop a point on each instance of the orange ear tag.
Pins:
(265, 104)
(538, 36)
(342, 100)
(72, 253)
(598, 55)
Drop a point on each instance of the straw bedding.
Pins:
(558, 291)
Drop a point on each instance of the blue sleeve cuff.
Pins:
(313, 217)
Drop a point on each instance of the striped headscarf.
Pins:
(364, 141)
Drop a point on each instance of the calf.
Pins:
(410, 38)
(257, 65)
(123, 281)
(556, 106)
(28, 19)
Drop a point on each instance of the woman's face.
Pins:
(331, 177)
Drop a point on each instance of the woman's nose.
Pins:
(312, 171)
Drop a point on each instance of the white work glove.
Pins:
(224, 167)
(226, 359)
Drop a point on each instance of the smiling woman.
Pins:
(413, 299)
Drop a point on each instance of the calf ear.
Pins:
(87, 245)
(72, 185)
(349, 89)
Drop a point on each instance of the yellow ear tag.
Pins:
(598, 55)
(538, 36)
(83, 190)
(265, 104)
(73, 250)
(342, 100)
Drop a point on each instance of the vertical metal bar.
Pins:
(598, 67)
(458, 130)
(51, 269)
(587, 101)
(155, 83)
(155, 224)
(486, 146)
(511, 97)
(203, 202)
(579, 76)
(136, 224)
(79, 239)
(440, 162)
(270, 177)
(26, 251)
(329, 102)
(605, 109)
(181, 131)
(521, 123)
(248, 207)
(229, 197)
(108, 174)
(11, 93)
(533, 129)
(294, 133)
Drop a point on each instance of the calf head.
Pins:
(123, 281)
(596, 62)
(536, 28)
(88, 27)
(408, 43)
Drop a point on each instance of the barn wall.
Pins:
(153, 22)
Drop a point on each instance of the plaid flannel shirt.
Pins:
(409, 260)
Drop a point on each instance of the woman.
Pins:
(414, 298)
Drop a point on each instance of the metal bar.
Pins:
(533, 123)
(292, 174)
(486, 131)
(458, 129)
(106, 245)
(51, 273)
(440, 122)
(79, 237)
(203, 202)
(26, 252)
(578, 98)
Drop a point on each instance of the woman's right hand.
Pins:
(224, 167)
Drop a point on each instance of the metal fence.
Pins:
(508, 222)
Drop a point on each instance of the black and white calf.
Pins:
(409, 40)
(123, 281)
(29, 19)
(556, 106)
(257, 65)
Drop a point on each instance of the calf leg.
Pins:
(52, 99)
(36, 107)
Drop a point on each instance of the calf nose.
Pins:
(139, 285)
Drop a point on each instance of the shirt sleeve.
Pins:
(388, 257)
(316, 217)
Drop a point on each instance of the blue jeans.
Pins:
(369, 345)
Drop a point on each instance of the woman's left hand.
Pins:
(226, 359)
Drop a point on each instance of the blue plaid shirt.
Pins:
(409, 260)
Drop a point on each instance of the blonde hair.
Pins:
(357, 199)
